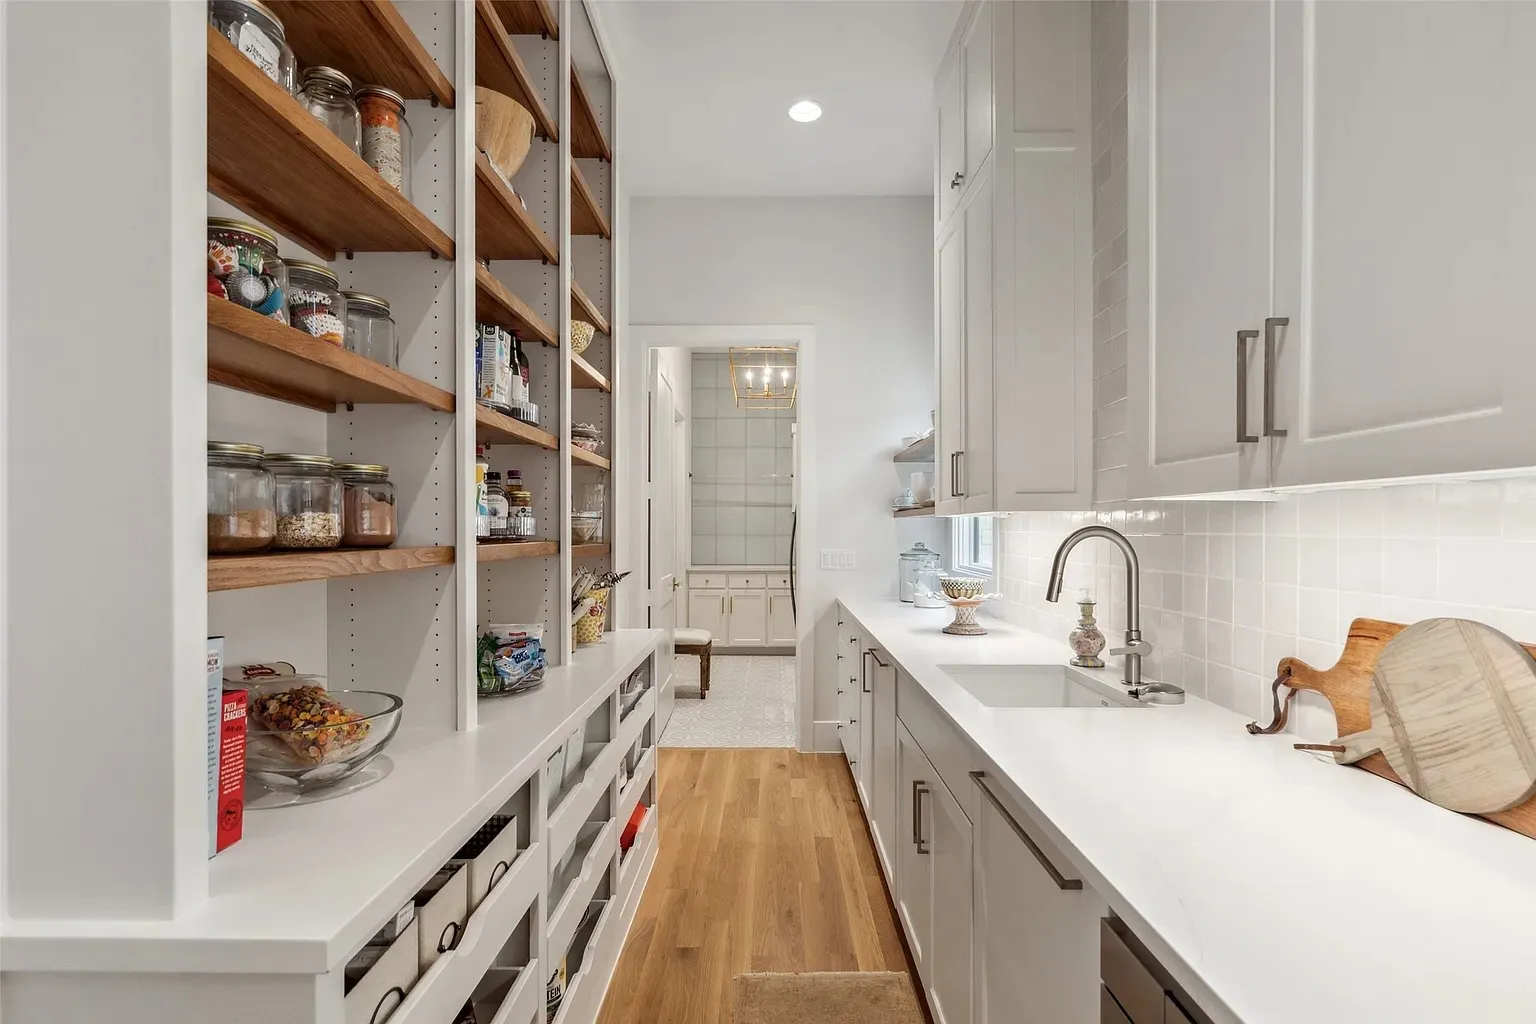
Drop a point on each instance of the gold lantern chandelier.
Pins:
(764, 377)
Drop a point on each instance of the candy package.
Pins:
(511, 658)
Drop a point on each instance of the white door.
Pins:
(662, 502)
(947, 831)
(976, 57)
(746, 613)
(781, 619)
(882, 757)
(975, 461)
(864, 774)
(1200, 242)
(706, 610)
(1405, 150)
(951, 170)
(950, 440)
(914, 874)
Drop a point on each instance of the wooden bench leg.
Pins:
(704, 673)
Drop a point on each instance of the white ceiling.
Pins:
(707, 85)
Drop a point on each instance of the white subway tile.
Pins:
(1196, 516)
(1410, 511)
(1280, 559)
(1249, 558)
(1519, 512)
(1194, 595)
(1219, 546)
(1470, 508)
(1248, 603)
(1220, 517)
(1471, 571)
(1318, 615)
(1281, 517)
(1360, 513)
(1279, 608)
(1195, 549)
(1248, 649)
(1360, 564)
(1248, 517)
(1518, 587)
(1318, 514)
(1409, 568)
(1319, 565)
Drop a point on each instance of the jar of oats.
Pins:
(368, 518)
(308, 498)
(241, 519)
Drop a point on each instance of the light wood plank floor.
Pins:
(765, 865)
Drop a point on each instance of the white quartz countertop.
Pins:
(307, 886)
(1277, 886)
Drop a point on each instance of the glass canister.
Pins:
(257, 33)
(327, 93)
(307, 495)
(371, 331)
(241, 518)
(368, 517)
(497, 525)
(927, 591)
(315, 302)
(521, 522)
(243, 267)
(386, 136)
(910, 562)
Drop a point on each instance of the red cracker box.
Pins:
(231, 794)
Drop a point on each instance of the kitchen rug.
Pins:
(834, 997)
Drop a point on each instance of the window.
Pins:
(972, 540)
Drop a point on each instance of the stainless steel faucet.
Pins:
(1135, 646)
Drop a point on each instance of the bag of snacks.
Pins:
(511, 658)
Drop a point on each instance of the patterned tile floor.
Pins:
(751, 703)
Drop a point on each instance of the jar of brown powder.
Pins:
(241, 518)
(368, 518)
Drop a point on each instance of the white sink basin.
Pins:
(1031, 686)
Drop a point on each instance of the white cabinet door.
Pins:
(976, 60)
(1404, 264)
(706, 610)
(864, 772)
(951, 164)
(850, 666)
(747, 612)
(1037, 943)
(950, 312)
(914, 873)
(882, 758)
(975, 462)
(781, 619)
(1200, 242)
(946, 831)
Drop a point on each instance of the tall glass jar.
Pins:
(257, 33)
(315, 303)
(327, 94)
(521, 522)
(243, 267)
(241, 518)
(386, 138)
(308, 499)
(368, 517)
(371, 330)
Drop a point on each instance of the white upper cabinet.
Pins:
(1199, 243)
(951, 162)
(976, 61)
(1406, 205)
(977, 452)
(949, 311)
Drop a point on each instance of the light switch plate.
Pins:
(839, 559)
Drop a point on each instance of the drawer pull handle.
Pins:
(1270, 323)
(1061, 880)
(1243, 437)
(449, 938)
(379, 1013)
(498, 873)
(918, 789)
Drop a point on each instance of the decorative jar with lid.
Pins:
(241, 519)
(911, 563)
(243, 267)
(258, 34)
(308, 500)
(1085, 639)
(386, 136)
(315, 303)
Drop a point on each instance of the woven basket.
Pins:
(588, 629)
(581, 335)
(503, 129)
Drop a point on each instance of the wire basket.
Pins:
(588, 629)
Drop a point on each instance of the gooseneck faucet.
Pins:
(1135, 646)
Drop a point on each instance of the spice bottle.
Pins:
(496, 507)
(386, 138)
(368, 517)
(327, 94)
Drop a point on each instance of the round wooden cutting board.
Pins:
(1453, 709)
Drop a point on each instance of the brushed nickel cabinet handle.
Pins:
(954, 458)
(1270, 323)
(1061, 880)
(959, 473)
(1243, 338)
(875, 654)
(918, 789)
(916, 809)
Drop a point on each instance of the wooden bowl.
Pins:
(503, 129)
(581, 335)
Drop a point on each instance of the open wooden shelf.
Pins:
(503, 229)
(586, 458)
(586, 213)
(492, 427)
(920, 450)
(499, 67)
(591, 550)
(913, 513)
(528, 18)
(239, 572)
(494, 304)
(582, 308)
(252, 353)
(277, 162)
(369, 40)
(506, 550)
(585, 377)
(587, 139)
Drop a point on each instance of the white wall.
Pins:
(861, 271)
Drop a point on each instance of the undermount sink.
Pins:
(1031, 686)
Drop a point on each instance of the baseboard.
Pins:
(758, 652)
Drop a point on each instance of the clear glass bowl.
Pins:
(317, 754)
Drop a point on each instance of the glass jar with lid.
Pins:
(241, 519)
(307, 496)
(258, 34)
(386, 136)
(243, 267)
(521, 522)
(910, 564)
(497, 522)
(371, 330)
(327, 93)
(315, 302)
(368, 517)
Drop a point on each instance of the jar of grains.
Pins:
(371, 330)
(240, 512)
(307, 496)
(257, 33)
(368, 517)
(315, 304)
(327, 94)
(243, 267)
(386, 135)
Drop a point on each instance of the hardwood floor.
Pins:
(765, 865)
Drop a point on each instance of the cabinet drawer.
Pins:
(440, 917)
(1109, 1010)
(1172, 1014)
(778, 581)
(1137, 991)
(748, 581)
(706, 581)
(943, 745)
(380, 991)
(489, 855)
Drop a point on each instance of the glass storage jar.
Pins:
(386, 136)
(257, 33)
(241, 518)
(521, 522)
(307, 495)
(327, 94)
(368, 518)
(371, 330)
(315, 303)
(243, 267)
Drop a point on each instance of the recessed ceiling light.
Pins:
(805, 110)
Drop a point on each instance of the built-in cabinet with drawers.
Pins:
(742, 609)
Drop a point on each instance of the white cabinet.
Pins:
(747, 613)
(850, 669)
(706, 610)
(950, 313)
(976, 68)
(913, 891)
(880, 723)
(951, 157)
(737, 609)
(781, 619)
